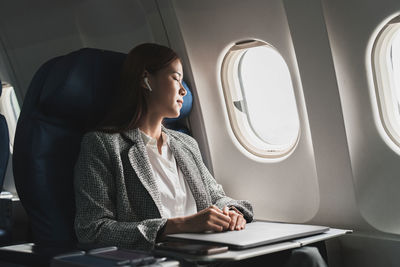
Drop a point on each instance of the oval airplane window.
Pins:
(386, 70)
(260, 99)
(9, 107)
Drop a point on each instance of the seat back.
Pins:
(4, 146)
(67, 95)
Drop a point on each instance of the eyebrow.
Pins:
(180, 74)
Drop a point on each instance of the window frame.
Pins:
(230, 78)
(383, 81)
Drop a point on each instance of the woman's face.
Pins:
(166, 97)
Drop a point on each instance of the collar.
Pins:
(136, 137)
(150, 141)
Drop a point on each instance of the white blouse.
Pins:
(176, 196)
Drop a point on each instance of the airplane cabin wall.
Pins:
(333, 145)
(338, 207)
(352, 28)
(281, 190)
(33, 32)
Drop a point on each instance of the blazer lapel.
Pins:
(193, 177)
(141, 164)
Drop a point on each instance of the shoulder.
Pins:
(182, 138)
(98, 136)
(98, 139)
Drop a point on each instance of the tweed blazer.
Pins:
(118, 202)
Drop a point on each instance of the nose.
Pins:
(182, 90)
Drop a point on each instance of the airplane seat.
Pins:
(67, 96)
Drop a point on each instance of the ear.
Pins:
(145, 80)
(144, 75)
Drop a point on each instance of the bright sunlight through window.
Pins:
(9, 107)
(260, 99)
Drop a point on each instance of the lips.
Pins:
(180, 101)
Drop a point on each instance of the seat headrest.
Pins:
(80, 85)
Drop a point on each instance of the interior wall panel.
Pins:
(283, 190)
(46, 29)
(352, 27)
(338, 205)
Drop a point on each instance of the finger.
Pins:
(223, 223)
(213, 207)
(234, 221)
(224, 217)
(244, 224)
(226, 210)
(217, 221)
(214, 227)
(240, 223)
(237, 225)
(221, 216)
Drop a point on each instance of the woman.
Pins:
(136, 181)
(129, 173)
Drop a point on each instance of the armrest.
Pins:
(29, 254)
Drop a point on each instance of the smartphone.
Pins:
(124, 256)
(191, 248)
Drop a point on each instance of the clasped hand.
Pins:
(217, 220)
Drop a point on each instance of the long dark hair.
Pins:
(130, 100)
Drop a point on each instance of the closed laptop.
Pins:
(255, 234)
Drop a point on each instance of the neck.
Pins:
(151, 125)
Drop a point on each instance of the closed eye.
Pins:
(177, 79)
